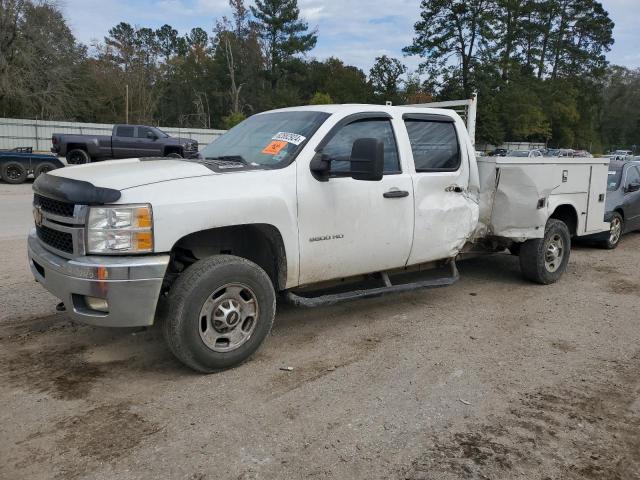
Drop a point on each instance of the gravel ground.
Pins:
(490, 378)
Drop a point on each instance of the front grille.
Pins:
(62, 241)
(55, 207)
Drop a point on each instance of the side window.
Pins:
(633, 176)
(339, 147)
(434, 145)
(143, 131)
(124, 131)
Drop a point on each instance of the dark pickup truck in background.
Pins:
(126, 141)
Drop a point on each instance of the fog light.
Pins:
(98, 304)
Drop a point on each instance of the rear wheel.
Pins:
(43, 168)
(544, 260)
(616, 227)
(13, 172)
(218, 312)
(77, 156)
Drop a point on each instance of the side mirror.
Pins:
(367, 159)
(152, 136)
(633, 187)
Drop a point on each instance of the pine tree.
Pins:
(283, 33)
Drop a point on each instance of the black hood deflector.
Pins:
(74, 191)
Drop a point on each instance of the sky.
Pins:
(355, 31)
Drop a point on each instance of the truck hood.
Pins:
(133, 172)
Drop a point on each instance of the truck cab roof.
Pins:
(350, 108)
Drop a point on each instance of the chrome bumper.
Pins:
(131, 285)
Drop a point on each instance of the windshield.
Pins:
(269, 139)
(518, 153)
(614, 177)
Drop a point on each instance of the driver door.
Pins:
(349, 227)
(147, 143)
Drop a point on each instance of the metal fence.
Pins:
(16, 132)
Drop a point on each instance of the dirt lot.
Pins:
(491, 378)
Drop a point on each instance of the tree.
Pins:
(450, 30)
(34, 38)
(385, 77)
(619, 119)
(283, 33)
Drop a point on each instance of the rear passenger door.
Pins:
(445, 214)
(124, 143)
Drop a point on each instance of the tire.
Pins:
(616, 227)
(544, 260)
(77, 156)
(13, 172)
(514, 249)
(173, 155)
(43, 168)
(195, 303)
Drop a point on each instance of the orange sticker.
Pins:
(274, 147)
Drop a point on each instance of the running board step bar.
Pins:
(331, 299)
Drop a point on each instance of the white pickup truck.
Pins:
(317, 204)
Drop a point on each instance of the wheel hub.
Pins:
(13, 173)
(615, 231)
(228, 317)
(554, 253)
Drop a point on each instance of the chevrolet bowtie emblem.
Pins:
(37, 216)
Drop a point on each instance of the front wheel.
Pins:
(219, 311)
(544, 260)
(616, 227)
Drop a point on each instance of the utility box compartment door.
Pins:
(597, 195)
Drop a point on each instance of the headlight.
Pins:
(120, 229)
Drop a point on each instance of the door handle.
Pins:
(395, 194)
(454, 188)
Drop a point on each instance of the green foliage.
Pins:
(385, 78)
(233, 119)
(282, 32)
(538, 66)
(320, 98)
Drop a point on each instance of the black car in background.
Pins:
(622, 203)
(498, 152)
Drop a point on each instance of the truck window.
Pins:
(633, 176)
(434, 145)
(124, 131)
(614, 177)
(143, 132)
(340, 145)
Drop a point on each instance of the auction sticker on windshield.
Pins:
(289, 138)
(274, 147)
